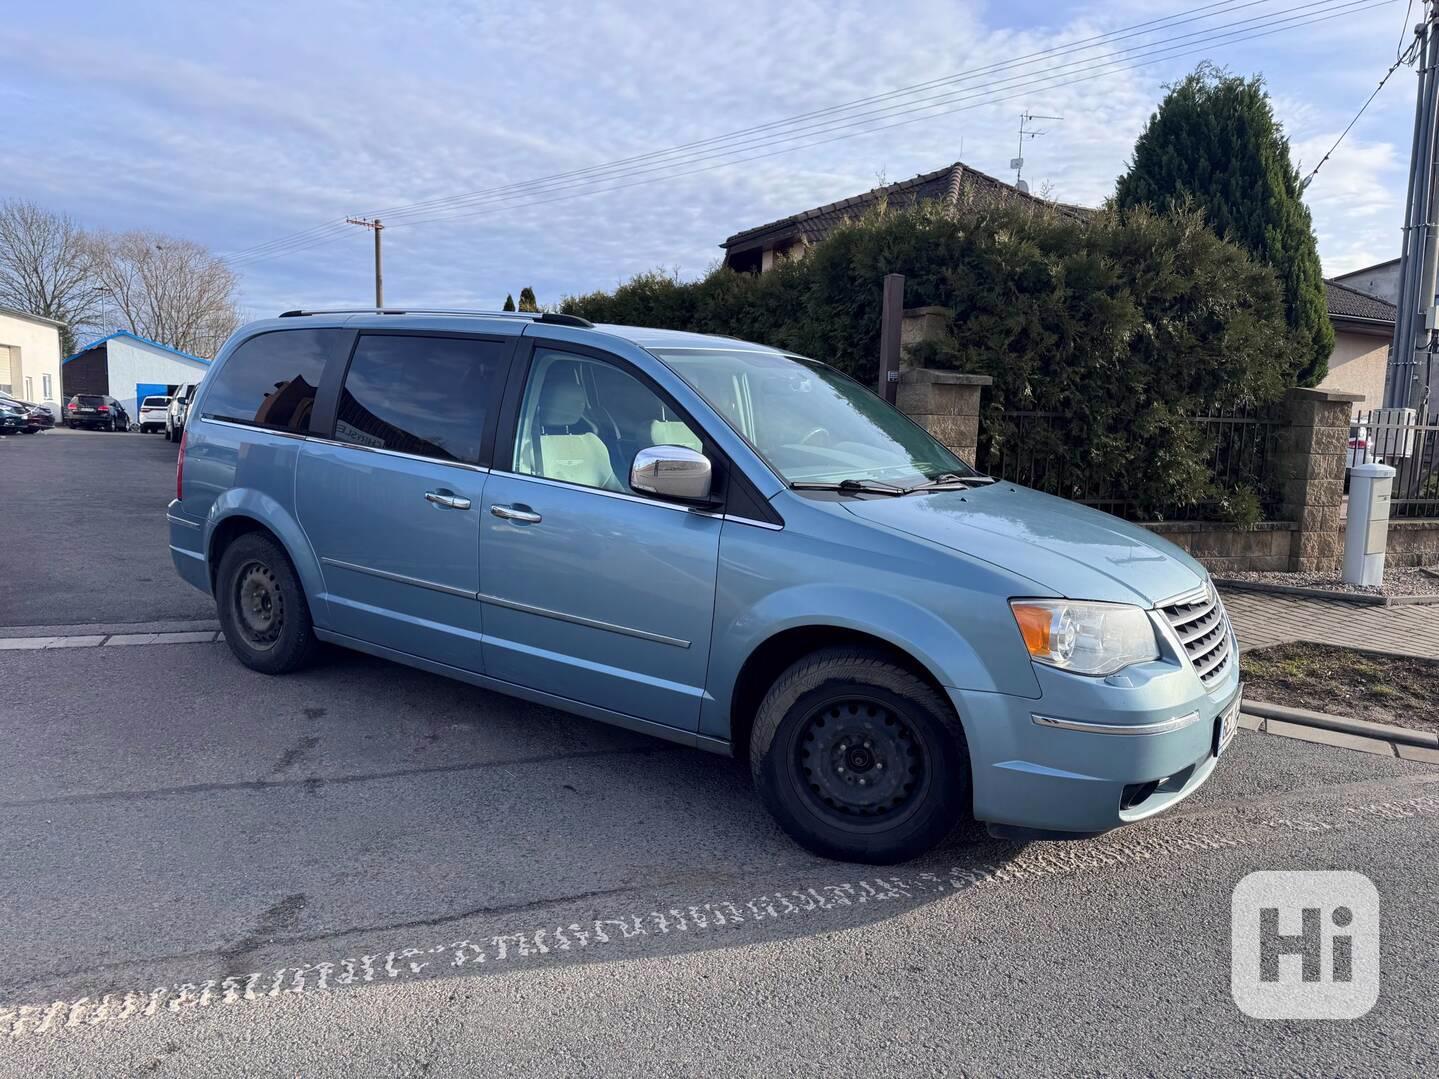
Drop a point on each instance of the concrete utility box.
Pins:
(1366, 532)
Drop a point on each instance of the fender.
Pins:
(916, 629)
(264, 510)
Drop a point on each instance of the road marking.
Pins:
(103, 640)
(704, 916)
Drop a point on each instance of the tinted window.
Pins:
(270, 380)
(89, 399)
(424, 395)
(155, 402)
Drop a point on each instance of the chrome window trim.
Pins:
(1163, 726)
(400, 578)
(580, 620)
(563, 485)
(397, 453)
(204, 418)
(767, 525)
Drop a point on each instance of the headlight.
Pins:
(1086, 638)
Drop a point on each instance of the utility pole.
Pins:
(1415, 323)
(376, 227)
(1017, 163)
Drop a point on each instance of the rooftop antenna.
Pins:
(1026, 132)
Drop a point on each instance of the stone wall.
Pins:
(1313, 453)
(1228, 548)
(1413, 543)
(944, 403)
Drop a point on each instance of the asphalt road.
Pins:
(364, 869)
(82, 515)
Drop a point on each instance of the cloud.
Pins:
(252, 124)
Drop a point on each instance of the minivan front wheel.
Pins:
(262, 607)
(860, 759)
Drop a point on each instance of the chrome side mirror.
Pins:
(672, 472)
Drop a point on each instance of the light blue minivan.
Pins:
(709, 541)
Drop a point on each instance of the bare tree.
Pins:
(45, 267)
(172, 291)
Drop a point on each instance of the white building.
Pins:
(130, 368)
(30, 358)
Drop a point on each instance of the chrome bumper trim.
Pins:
(1164, 726)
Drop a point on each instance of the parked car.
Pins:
(96, 412)
(714, 542)
(154, 411)
(175, 415)
(13, 419)
(38, 417)
(1361, 448)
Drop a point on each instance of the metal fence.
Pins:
(1392, 437)
(1046, 451)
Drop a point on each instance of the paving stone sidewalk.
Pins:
(1261, 619)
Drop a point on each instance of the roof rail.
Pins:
(553, 318)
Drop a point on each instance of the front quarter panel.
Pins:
(827, 569)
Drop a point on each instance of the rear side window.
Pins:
(429, 396)
(270, 380)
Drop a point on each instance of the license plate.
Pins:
(87, 410)
(1227, 723)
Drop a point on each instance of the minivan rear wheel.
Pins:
(262, 607)
(860, 759)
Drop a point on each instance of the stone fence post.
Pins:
(946, 404)
(1313, 453)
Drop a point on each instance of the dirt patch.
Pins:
(1398, 581)
(1342, 682)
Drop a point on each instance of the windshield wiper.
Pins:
(951, 482)
(869, 487)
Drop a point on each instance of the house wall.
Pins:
(132, 362)
(1381, 281)
(1357, 365)
(32, 350)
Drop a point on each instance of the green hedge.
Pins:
(1123, 323)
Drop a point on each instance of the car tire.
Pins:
(168, 437)
(262, 607)
(859, 758)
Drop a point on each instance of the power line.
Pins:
(528, 190)
(1179, 18)
(1088, 70)
(1209, 34)
(1403, 58)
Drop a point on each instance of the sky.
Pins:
(240, 125)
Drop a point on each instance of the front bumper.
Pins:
(1087, 774)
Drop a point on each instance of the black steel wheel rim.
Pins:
(259, 606)
(860, 763)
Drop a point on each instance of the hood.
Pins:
(1074, 551)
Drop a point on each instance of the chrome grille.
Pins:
(1203, 629)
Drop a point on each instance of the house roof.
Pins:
(1349, 303)
(28, 317)
(142, 340)
(949, 184)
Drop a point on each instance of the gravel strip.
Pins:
(1398, 581)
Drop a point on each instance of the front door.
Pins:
(392, 503)
(590, 590)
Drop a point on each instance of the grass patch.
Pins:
(1342, 682)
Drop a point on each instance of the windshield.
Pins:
(811, 423)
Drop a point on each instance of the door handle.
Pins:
(515, 513)
(448, 499)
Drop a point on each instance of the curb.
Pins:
(1363, 599)
(1363, 728)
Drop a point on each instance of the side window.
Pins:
(583, 421)
(270, 380)
(428, 396)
